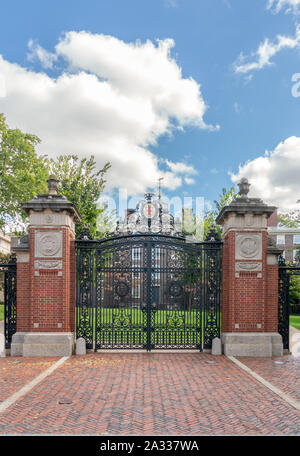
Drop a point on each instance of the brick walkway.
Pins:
(285, 376)
(17, 372)
(153, 394)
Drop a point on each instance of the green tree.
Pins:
(294, 287)
(294, 291)
(23, 173)
(203, 225)
(190, 259)
(82, 184)
(287, 220)
(225, 198)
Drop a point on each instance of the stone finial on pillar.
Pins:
(244, 187)
(53, 184)
(250, 278)
(46, 277)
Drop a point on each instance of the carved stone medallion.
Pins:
(48, 244)
(248, 246)
(49, 218)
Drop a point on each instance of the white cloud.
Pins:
(38, 53)
(266, 50)
(171, 3)
(289, 6)
(189, 180)
(181, 168)
(236, 107)
(113, 100)
(274, 177)
(227, 3)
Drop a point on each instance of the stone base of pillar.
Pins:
(42, 344)
(252, 344)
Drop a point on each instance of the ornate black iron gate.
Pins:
(285, 273)
(9, 270)
(148, 291)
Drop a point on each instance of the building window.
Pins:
(156, 277)
(296, 255)
(280, 239)
(136, 291)
(296, 238)
(136, 253)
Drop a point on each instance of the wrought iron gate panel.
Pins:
(85, 293)
(120, 295)
(148, 291)
(175, 294)
(212, 270)
(10, 299)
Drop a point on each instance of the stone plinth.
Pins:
(252, 344)
(42, 344)
(2, 346)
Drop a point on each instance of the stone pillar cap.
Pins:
(242, 204)
(53, 201)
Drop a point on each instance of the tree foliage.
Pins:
(203, 225)
(288, 220)
(225, 198)
(81, 183)
(23, 173)
(294, 291)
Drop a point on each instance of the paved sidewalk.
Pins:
(284, 373)
(17, 372)
(153, 394)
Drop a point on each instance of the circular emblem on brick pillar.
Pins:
(248, 246)
(49, 244)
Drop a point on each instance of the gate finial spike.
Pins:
(212, 235)
(85, 234)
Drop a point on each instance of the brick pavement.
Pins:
(17, 372)
(150, 394)
(284, 376)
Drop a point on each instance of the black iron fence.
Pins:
(9, 274)
(284, 306)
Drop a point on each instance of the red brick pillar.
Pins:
(250, 279)
(46, 278)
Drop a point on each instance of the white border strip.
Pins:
(271, 387)
(14, 397)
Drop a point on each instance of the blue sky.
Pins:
(254, 108)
